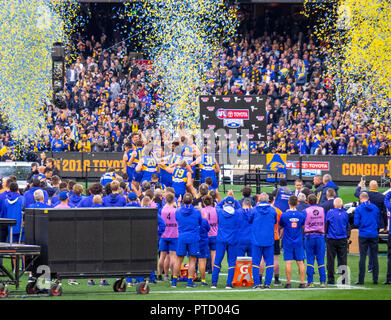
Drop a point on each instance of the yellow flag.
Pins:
(3, 151)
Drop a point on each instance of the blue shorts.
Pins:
(212, 243)
(168, 244)
(294, 253)
(180, 193)
(204, 249)
(130, 173)
(186, 248)
(138, 176)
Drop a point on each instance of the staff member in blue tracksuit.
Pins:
(95, 189)
(114, 199)
(387, 203)
(263, 219)
(291, 222)
(244, 234)
(227, 238)
(204, 250)
(28, 196)
(39, 200)
(189, 221)
(337, 230)
(12, 209)
(367, 219)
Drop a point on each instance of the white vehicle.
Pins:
(20, 169)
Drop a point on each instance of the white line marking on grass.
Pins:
(260, 290)
(318, 283)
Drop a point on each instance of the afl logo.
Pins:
(233, 124)
(248, 99)
(210, 108)
(221, 113)
(260, 118)
(204, 99)
(227, 99)
(211, 126)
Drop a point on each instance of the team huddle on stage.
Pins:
(201, 225)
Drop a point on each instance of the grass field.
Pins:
(163, 291)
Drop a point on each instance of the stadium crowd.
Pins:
(198, 223)
(109, 94)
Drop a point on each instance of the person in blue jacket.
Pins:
(133, 200)
(12, 209)
(337, 231)
(97, 201)
(367, 219)
(95, 189)
(76, 197)
(39, 200)
(263, 219)
(189, 221)
(114, 199)
(28, 196)
(227, 238)
(377, 198)
(327, 183)
(204, 250)
(387, 203)
(244, 233)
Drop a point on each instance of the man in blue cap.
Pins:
(63, 197)
(226, 241)
(263, 219)
(133, 200)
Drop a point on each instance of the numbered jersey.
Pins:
(208, 163)
(150, 166)
(168, 216)
(139, 155)
(207, 166)
(128, 157)
(166, 177)
(179, 180)
(292, 221)
(107, 178)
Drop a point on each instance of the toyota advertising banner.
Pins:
(234, 112)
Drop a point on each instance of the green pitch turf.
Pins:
(163, 291)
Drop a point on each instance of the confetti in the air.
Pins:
(183, 38)
(357, 38)
(28, 29)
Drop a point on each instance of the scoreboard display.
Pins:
(234, 112)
